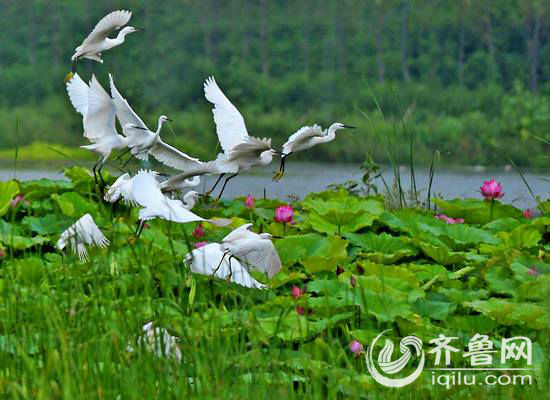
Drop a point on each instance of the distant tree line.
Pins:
(307, 61)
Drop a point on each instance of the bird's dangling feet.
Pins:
(68, 77)
(277, 176)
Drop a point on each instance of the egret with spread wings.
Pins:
(98, 117)
(142, 141)
(305, 138)
(98, 40)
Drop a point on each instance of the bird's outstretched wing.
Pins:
(124, 112)
(107, 24)
(78, 94)
(172, 157)
(100, 118)
(230, 125)
(264, 258)
(250, 146)
(146, 189)
(238, 233)
(90, 233)
(301, 134)
(206, 260)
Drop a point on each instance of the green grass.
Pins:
(65, 324)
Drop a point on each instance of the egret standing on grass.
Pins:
(240, 151)
(98, 40)
(305, 138)
(146, 192)
(142, 141)
(98, 117)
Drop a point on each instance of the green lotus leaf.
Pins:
(504, 224)
(74, 205)
(8, 190)
(315, 252)
(476, 211)
(507, 312)
(435, 306)
(460, 296)
(43, 188)
(383, 248)
(440, 254)
(426, 272)
(48, 224)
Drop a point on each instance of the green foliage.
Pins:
(70, 322)
(8, 190)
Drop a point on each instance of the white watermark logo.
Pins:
(392, 367)
(480, 354)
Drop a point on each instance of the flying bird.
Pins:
(240, 151)
(83, 232)
(121, 190)
(98, 117)
(98, 40)
(254, 250)
(142, 141)
(210, 260)
(146, 192)
(305, 138)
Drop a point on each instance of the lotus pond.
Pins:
(352, 267)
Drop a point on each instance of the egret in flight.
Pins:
(142, 141)
(147, 193)
(121, 190)
(240, 151)
(210, 260)
(305, 138)
(98, 40)
(83, 232)
(98, 117)
(253, 249)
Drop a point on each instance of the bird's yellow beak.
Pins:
(68, 77)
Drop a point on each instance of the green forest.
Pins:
(467, 78)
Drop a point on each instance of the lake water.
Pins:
(302, 178)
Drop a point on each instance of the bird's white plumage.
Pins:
(172, 157)
(206, 259)
(159, 341)
(230, 125)
(301, 135)
(83, 232)
(124, 112)
(78, 94)
(255, 250)
(100, 118)
(121, 189)
(106, 25)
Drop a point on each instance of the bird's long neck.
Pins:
(189, 201)
(120, 37)
(159, 127)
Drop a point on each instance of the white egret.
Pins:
(98, 40)
(142, 141)
(255, 250)
(146, 191)
(305, 138)
(180, 185)
(240, 151)
(210, 260)
(158, 341)
(121, 189)
(83, 232)
(98, 117)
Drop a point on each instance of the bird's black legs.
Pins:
(101, 176)
(280, 173)
(215, 184)
(224, 184)
(230, 270)
(127, 161)
(95, 175)
(221, 261)
(123, 154)
(141, 224)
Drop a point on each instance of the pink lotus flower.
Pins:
(528, 213)
(198, 245)
(249, 201)
(449, 220)
(491, 190)
(18, 199)
(356, 348)
(533, 271)
(300, 310)
(297, 292)
(2, 253)
(198, 232)
(284, 214)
